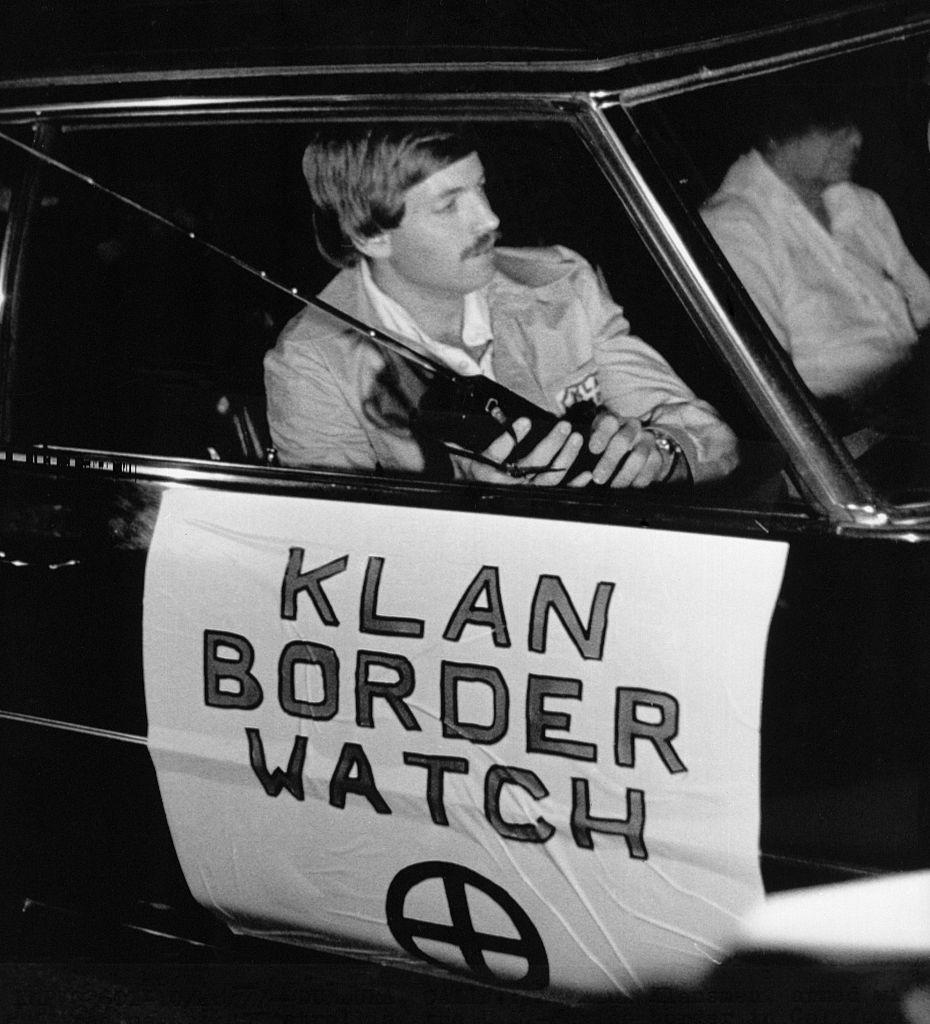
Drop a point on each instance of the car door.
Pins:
(505, 731)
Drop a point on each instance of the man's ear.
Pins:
(375, 247)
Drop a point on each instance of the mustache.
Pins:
(485, 243)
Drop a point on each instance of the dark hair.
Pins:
(789, 107)
(357, 180)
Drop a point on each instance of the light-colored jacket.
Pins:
(335, 400)
(846, 303)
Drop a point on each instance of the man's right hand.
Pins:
(556, 452)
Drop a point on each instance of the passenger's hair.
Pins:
(357, 180)
(789, 107)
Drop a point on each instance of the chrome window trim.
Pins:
(65, 726)
(533, 62)
(401, 105)
(139, 479)
(705, 76)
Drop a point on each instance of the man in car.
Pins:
(821, 257)
(404, 213)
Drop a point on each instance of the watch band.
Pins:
(664, 442)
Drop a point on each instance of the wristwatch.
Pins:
(672, 449)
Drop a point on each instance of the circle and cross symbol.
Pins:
(462, 934)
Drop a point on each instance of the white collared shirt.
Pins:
(476, 329)
(847, 303)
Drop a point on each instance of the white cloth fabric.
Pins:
(847, 303)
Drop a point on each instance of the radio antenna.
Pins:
(378, 336)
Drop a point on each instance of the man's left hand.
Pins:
(627, 444)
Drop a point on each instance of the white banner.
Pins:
(527, 750)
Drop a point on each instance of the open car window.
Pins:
(133, 336)
(844, 289)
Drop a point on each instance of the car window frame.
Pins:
(831, 487)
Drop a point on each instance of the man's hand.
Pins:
(626, 444)
(556, 451)
(623, 443)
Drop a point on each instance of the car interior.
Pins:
(889, 90)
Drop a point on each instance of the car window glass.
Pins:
(838, 267)
(132, 336)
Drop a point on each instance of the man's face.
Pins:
(825, 156)
(445, 242)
